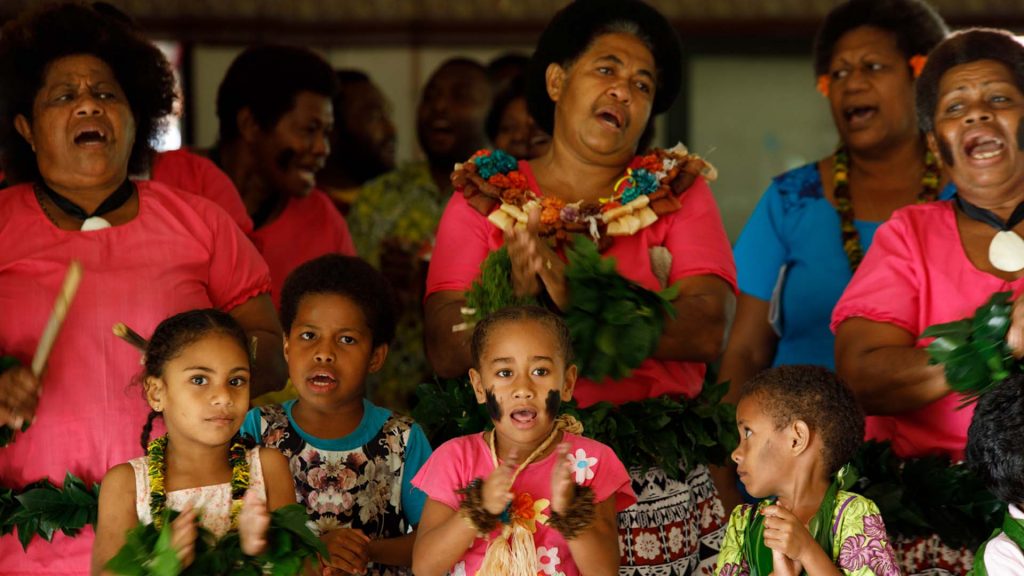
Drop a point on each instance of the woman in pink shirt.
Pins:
(84, 95)
(936, 263)
(601, 71)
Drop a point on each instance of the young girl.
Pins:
(352, 461)
(196, 376)
(530, 497)
(798, 426)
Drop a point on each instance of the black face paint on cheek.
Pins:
(493, 408)
(553, 403)
(284, 159)
(1020, 134)
(946, 151)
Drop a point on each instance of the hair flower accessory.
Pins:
(823, 84)
(917, 63)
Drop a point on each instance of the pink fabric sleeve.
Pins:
(612, 479)
(697, 239)
(886, 286)
(463, 243)
(237, 271)
(197, 175)
(444, 473)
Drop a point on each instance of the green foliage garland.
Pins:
(147, 550)
(926, 495)
(493, 291)
(657, 432)
(973, 351)
(40, 509)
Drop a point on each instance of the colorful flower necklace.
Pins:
(844, 203)
(650, 187)
(157, 452)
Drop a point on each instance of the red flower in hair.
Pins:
(917, 64)
(823, 84)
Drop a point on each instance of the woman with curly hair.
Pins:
(81, 97)
(601, 72)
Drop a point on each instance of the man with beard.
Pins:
(394, 218)
(275, 113)
(363, 143)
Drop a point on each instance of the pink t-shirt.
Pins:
(191, 172)
(915, 275)
(307, 228)
(176, 254)
(693, 235)
(457, 462)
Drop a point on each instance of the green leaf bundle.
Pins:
(40, 509)
(658, 432)
(147, 551)
(493, 290)
(973, 351)
(615, 323)
(926, 495)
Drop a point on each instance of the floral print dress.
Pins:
(361, 481)
(860, 542)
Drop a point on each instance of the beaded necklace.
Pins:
(157, 452)
(844, 203)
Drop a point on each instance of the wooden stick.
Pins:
(60, 310)
(122, 331)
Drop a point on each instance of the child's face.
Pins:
(522, 379)
(204, 391)
(762, 457)
(330, 351)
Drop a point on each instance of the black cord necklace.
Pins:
(94, 220)
(1006, 251)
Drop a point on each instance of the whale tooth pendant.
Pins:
(1006, 252)
(94, 223)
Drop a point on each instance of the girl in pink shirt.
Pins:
(531, 495)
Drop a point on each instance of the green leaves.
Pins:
(147, 551)
(40, 509)
(658, 432)
(493, 290)
(973, 351)
(927, 495)
(615, 323)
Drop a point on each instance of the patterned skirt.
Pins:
(675, 528)
(930, 557)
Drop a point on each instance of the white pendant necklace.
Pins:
(94, 221)
(1006, 250)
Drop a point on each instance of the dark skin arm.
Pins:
(258, 318)
(886, 372)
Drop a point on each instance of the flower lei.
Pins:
(844, 203)
(156, 454)
(650, 187)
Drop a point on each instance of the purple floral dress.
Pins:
(859, 540)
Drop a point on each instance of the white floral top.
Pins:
(212, 502)
(860, 543)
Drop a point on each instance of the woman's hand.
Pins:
(563, 488)
(253, 522)
(783, 566)
(534, 263)
(497, 488)
(1015, 335)
(19, 395)
(184, 532)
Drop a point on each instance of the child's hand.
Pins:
(783, 566)
(349, 549)
(183, 535)
(563, 487)
(497, 490)
(253, 522)
(785, 533)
